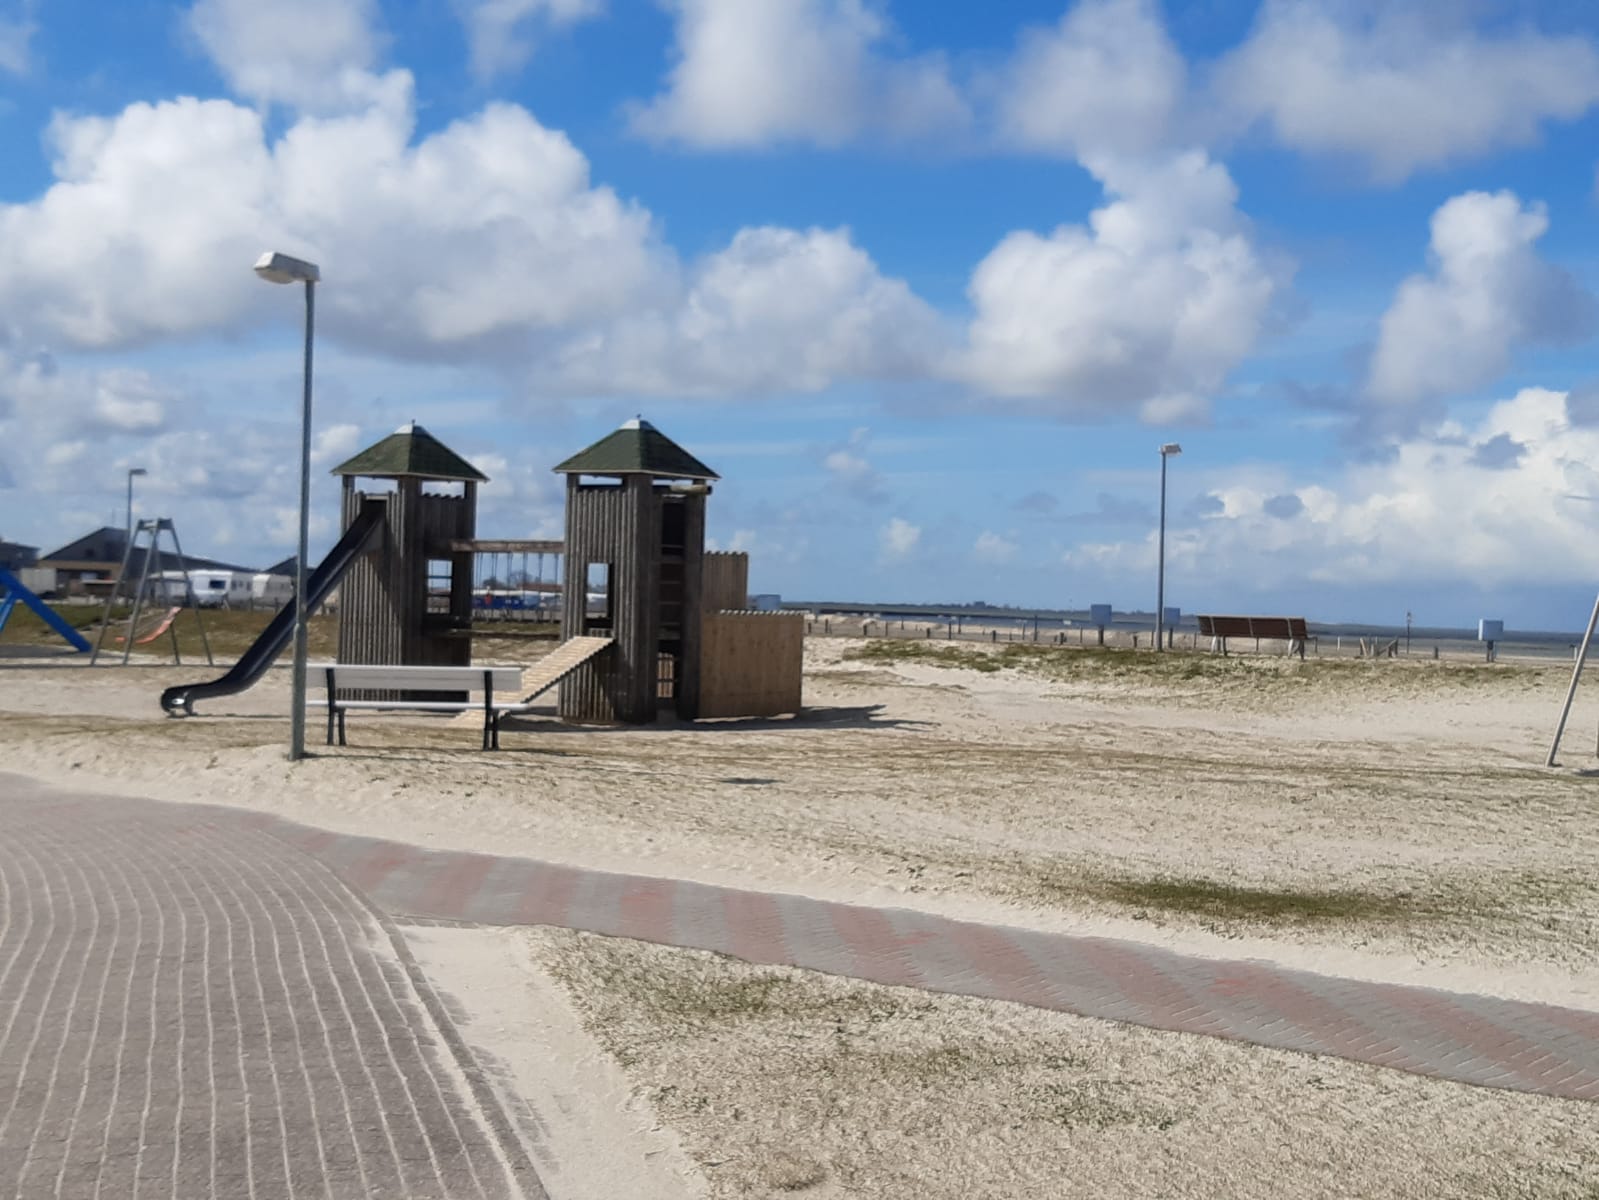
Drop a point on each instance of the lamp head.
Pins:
(284, 268)
(132, 471)
(1170, 449)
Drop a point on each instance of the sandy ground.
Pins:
(1387, 819)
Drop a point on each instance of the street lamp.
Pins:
(1169, 450)
(281, 268)
(132, 471)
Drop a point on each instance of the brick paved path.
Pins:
(192, 1008)
(1471, 1039)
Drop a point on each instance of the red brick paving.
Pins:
(1468, 1038)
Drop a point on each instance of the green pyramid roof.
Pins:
(411, 450)
(637, 448)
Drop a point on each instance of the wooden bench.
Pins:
(337, 678)
(1286, 629)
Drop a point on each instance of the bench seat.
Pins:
(337, 678)
(1292, 630)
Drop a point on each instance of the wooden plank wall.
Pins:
(727, 581)
(432, 522)
(369, 618)
(694, 607)
(751, 664)
(383, 617)
(617, 524)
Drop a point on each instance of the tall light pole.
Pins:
(132, 471)
(1169, 450)
(281, 268)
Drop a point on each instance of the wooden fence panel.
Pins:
(751, 664)
(725, 582)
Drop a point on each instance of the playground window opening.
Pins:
(441, 578)
(597, 601)
(674, 527)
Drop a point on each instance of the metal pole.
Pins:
(1571, 692)
(190, 600)
(301, 609)
(138, 596)
(1160, 572)
(114, 591)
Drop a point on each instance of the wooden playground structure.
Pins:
(650, 622)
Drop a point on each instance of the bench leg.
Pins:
(332, 709)
(342, 742)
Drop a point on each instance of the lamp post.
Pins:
(281, 268)
(1169, 450)
(132, 471)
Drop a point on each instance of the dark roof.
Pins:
(108, 544)
(411, 451)
(637, 448)
(286, 567)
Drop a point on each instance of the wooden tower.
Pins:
(635, 544)
(405, 602)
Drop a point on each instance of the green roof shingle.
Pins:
(411, 451)
(637, 448)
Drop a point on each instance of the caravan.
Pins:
(209, 588)
(270, 591)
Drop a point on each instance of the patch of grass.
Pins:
(1187, 670)
(789, 1171)
(937, 654)
(707, 992)
(230, 632)
(1096, 1104)
(1234, 902)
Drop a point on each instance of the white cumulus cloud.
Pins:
(1402, 87)
(1436, 513)
(813, 71)
(1454, 327)
(1146, 308)
(487, 228)
(898, 539)
(1107, 78)
(485, 240)
(777, 310)
(499, 32)
(994, 548)
(17, 28)
(314, 55)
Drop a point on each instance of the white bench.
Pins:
(350, 677)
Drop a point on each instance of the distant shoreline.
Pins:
(1546, 641)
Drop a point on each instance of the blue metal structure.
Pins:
(12, 591)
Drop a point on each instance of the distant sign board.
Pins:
(1172, 616)
(1490, 631)
(1099, 614)
(766, 602)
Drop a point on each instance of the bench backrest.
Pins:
(1285, 628)
(377, 677)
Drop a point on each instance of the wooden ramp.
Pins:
(548, 671)
(561, 662)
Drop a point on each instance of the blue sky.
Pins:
(928, 284)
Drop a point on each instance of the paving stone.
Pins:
(192, 1008)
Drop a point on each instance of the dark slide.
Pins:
(357, 539)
